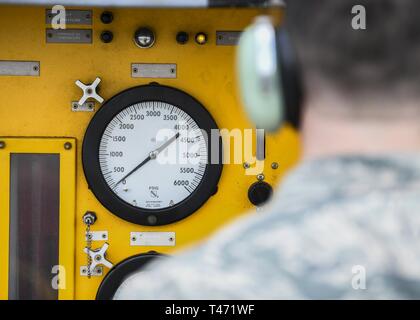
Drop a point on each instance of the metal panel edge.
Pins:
(67, 205)
(4, 220)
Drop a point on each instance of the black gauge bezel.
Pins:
(93, 173)
(116, 276)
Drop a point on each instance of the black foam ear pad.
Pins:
(290, 78)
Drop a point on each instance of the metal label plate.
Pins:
(69, 36)
(164, 239)
(154, 70)
(82, 17)
(19, 68)
(227, 38)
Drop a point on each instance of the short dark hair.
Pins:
(378, 59)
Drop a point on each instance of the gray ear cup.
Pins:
(268, 76)
(258, 76)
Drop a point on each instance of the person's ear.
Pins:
(268, 76)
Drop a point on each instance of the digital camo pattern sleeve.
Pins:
(344, 228)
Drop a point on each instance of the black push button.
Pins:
(259, 193)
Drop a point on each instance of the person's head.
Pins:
(360, 70)
(362, 51)
(361, 77)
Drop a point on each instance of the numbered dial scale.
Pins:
(147, 155)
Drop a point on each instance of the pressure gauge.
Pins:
(122, 274)
(148, 155)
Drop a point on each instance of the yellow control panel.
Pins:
(192, 52)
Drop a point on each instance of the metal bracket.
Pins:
(97, 236)
(260, 133)
(97, 272)
(86, 107)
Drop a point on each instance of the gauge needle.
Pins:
(152, 155)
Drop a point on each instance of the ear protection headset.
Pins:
(269, 77)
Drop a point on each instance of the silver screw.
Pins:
(274, 165)
(2, 144)
(68, 146)
(260, 177)
(246, 165)
(103, 236)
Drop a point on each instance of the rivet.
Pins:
(68, 146)
(274, 165)
(2, 144)
(152, 220)
(260, 177)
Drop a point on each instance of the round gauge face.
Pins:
(148, 155)
(153, 155)
(120, 276)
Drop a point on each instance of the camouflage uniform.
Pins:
(345, 227)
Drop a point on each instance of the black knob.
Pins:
(144, 38)
(107, 17)
(182, 37)
(107, 36)
(259, 193)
